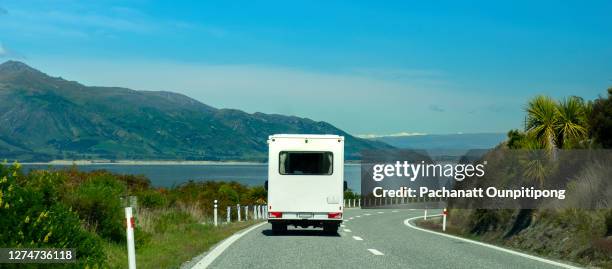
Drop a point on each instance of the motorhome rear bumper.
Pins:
(305, 216)
(304, 223)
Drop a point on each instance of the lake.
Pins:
(171, 175)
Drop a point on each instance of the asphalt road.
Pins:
(369, 239)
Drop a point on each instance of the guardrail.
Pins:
(379, 202)
(258, 212)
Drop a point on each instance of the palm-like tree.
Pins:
(543, 121)
(553, 123)
(572, 122)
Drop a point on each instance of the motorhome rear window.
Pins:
(305, 163)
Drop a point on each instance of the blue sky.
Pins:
(369, 67)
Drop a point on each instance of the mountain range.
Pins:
(44, 118)
(444, 141)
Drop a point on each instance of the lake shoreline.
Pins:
(168, 174)
(139, 162)
(151, 162)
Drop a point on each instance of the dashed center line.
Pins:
(357, 216)
(351, 218)
(375, 252)
(367, 214)
(342, 225)
(394, 211)
(357, 238)
(347, 230)
(380, 212)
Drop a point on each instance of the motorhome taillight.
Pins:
(276, 214)
(334, 215)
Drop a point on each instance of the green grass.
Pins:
(179, 243)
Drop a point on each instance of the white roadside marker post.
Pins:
(229, 212)
(246, 212)
(238, 211)
(359, 203)
(255, 212)
(425, 216)
(130, 238)
(444, 213)
(266, 211)
(216, 223)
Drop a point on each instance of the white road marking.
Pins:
(347, 230)
(357, 216)
(342, 225)
(412, 209)
(218, 250)
(407, 223)
(367, 214)
(357, 238)
(375, 252)
(351, 218)
(380, 212)
(394, 211)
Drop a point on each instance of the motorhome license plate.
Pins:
(305, 215)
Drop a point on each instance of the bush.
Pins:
(600, 121)
(97, 201)
(349, 194)
(258, 195)
(152, 199)
(30, 219)
(228, 193)
(135, 182)
(49, 184)
(515, 139)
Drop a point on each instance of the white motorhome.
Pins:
(305, 181)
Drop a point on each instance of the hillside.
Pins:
(44, 118)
